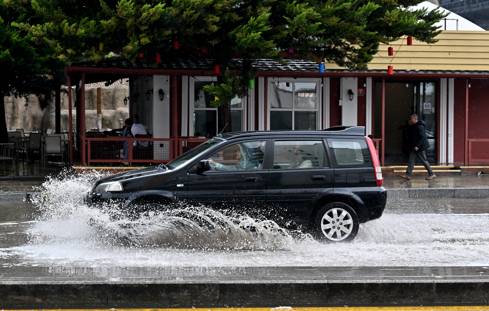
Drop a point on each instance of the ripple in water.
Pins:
(65, 218)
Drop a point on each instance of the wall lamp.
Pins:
(161, 94)
(350, 94)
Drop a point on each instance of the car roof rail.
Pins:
(347, 130)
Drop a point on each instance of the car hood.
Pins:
(132, 174)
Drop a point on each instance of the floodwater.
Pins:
(58, 230)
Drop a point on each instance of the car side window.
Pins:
(245, 156)
(351, 152)
(299, 154)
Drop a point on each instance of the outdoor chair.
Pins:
(8, 158)
(17, 138)
(34, 147)
(53, 146)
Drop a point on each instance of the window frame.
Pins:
(192, 108)
(265, 166)
(327, 157)
(293, 109)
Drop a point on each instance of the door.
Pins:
(299, 172)
(401, 100)
(234, 174)
(424, 106)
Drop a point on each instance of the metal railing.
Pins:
(136, 149)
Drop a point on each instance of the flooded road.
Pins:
(57, 230)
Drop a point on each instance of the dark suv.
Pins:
(325, 181)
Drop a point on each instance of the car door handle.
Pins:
(251, 179)
(318, 177)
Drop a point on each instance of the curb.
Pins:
(437, 193)
(242, 295)
(212, 287)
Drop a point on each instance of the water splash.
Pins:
(65, 218)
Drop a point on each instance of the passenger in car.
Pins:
(298, 159)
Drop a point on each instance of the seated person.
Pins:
(298, 160)
(239, 157)
(228, 159)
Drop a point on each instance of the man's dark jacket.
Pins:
(416, 136)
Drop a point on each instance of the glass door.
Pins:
(425, 107)
(403, 98)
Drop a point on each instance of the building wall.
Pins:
(361, 93)
(459, 120)
(454, 50)
(478, 115)
(349, 105)
(450, 107)
(335, 108)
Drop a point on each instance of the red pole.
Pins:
(89, 152)
(130, 142)
(383, 123)
(174, 116)
(467, 155)
(70, 120)
(82, 120)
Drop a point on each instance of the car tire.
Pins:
(336, 222)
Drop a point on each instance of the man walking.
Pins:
(417, 143)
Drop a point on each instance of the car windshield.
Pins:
(187, 156)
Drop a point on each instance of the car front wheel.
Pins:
(336, 222)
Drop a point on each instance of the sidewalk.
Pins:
(451, 181)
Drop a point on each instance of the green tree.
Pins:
(26, 67)
(347, 32)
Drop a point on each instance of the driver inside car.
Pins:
(233, 158)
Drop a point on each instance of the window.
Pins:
(350, 152)
(294, 106)
(206, 117)
(247, 156)
(298, 154)
(187, 156)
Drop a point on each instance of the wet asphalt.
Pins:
(21, 262)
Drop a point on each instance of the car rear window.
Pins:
(350, 152)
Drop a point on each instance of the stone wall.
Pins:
(25, 112)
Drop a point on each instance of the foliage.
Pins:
(347, 32)
(39, 37)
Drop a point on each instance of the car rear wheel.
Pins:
(336, 222)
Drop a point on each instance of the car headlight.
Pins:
(113, 186)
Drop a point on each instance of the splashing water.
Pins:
(64, 218)
(70, 233)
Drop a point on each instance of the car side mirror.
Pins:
(202, 166)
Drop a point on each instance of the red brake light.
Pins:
(375, 160)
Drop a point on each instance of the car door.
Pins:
(250, 193)
(300, 172)
(353, 164)
(231, 170)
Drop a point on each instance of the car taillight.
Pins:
(375, 160)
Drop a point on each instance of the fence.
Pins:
(137, 149)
